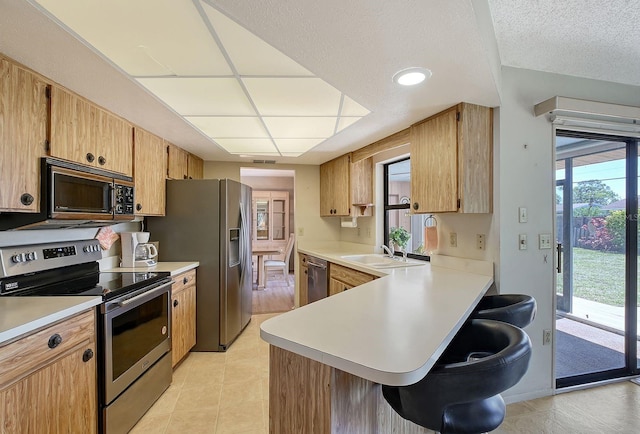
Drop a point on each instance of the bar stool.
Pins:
(516, 309)
(461, 394)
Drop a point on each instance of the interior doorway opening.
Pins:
(273, 237)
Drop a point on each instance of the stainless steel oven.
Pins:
(134, 325)
(137, 339)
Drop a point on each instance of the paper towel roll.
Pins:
(349, 222)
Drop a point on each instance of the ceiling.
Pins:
(306, 76)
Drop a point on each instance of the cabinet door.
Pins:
(434, 164)
(342, 186)
(150, 186)
(195, 169)
(362, 186)
(334, 187)
(59, 398)
(178, 161)
(113, 140)
(336, 287)
(23, 134)
(183, 320)
(70, 131)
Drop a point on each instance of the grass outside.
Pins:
(597, 276)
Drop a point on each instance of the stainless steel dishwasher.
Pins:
(316, 278)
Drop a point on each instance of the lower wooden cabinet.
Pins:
(183, 315)
(342, 278)
(303, 282)
(53, 390)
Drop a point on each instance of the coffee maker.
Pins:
(137, 251)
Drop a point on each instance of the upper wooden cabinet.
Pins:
(344, 185)
(177, 162)
(84, 133)
(150, 169)
(195, 167)
(23, 136)
(451, 161)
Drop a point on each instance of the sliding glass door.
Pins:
(596, 288)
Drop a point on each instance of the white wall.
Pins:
(526, 178)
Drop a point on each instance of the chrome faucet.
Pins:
(388, 250)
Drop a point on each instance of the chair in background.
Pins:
(280, 264)
(461, 393)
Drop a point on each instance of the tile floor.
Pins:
(228, 393)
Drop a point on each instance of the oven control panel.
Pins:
(16, 260)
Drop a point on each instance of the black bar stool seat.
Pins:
(516, 309)
(461, 394)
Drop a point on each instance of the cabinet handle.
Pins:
(416, 205)
(90, 157)
(54, 341)
(175, 303)
(139, 207)
(26, 199)
(87, 355)
(102, 161)
(185, 281)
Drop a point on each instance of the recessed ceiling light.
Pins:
(411, 76)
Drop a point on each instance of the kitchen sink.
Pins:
(381, 261)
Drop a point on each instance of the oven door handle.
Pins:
(144, 294)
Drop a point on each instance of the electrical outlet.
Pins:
(544, 241)
(358, 231)
(546, 337)
(301, 232)
(368, 232)
(480, 240)
(453, 239)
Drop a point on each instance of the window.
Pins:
(397, 211)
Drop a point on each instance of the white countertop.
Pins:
(23, 315)
(391, 330)
(174, 268)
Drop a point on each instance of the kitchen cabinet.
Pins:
(303, 283)
(451, 161)
(183, 315)
(177, 162)
(48, 379)
(23, 137)
(345, 185)
(86, 134)
(342, 278)
(195, 167)
(270, 219)
(150, 169)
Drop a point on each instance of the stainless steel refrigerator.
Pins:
(209, 221)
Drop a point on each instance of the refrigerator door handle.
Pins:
(243, 240)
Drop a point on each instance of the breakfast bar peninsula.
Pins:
(329, 358)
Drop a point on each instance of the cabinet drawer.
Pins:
(349, 275)
(184, 280)
(22, 357)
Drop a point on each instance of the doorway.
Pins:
(273, 224)
(596, 284)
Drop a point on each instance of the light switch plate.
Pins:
(523, 241)
(523, 217)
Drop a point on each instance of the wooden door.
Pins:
(303, 282)
(70, 130)
(326, 189)
(150, 169)
(59, 398)
(336, 287)
(113, 139)
(361, 178)
(341, 186)
(183, 320)
(195, 169)
(178, 161)
(434, 164)
(23, 134)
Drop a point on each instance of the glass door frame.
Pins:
(631, 257)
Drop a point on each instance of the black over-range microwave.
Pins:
(76, 196)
